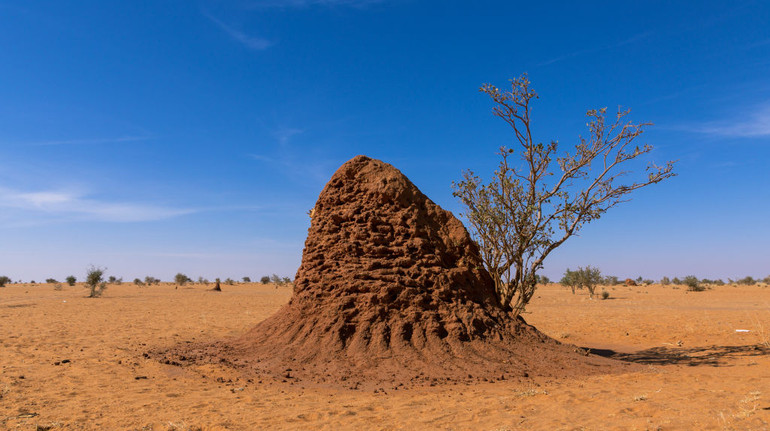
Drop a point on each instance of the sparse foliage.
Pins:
(665, 281)
(611, 280)
(587, 277)
(265, 279)
(71, 280)
(95, 281)
(229, 281)
(747, 281)
(542, 279)
(151, 280)
(138, 282)
(526, 212)
(51, 280)
(693, 284)
(181, 279)
(275, 279)
(4, 280)
(246, 279)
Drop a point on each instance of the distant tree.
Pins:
(748, 281)
(676, 281)
(265, 279)
(766, 280)
(138, 282)
(542, 279)
(526, 212)
(181, 279)
(275, 279)
(246, 280)
(204, 281)
(95, 281)
(286, 280)
(229, 281)
(693, 284)
(611, 280)
(151, 280)
(51, 280)
(111, 279)
(571, 280)
(71, 280)
(665, 281)
(4, 280)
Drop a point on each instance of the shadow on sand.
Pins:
(714, 356)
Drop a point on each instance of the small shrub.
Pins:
(51, 280)
(151, 280)
(275, 279)
(748, 281)
(229, 281)
(665, 281)
(204, 281)
(676, 280)
(611, 280)
(138, 282)
(265, 279)
(648, 282)
(605, 294)
(95, 281)
(542, 279)
(766, 280)
(286, 280)
(246, 280)
(181, 279)
(4, 280)
(71, 280)
(692, 283)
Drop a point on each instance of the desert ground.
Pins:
(75, 363)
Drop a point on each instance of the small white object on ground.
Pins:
(741, 330)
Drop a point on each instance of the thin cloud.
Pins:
(264, 4)
(755, 124)
(252, 42)
(68, 206)
(628, 41)
(92, 141)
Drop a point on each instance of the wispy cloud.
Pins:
(307, 3)
(252, 42)
(580, 52)
(753, 124)
(58, 205)
(92, 141)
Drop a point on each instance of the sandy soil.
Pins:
(69, 362)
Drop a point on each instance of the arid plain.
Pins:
(74, 363)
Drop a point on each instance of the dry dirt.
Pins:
(69, 362)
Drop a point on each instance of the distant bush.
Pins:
(265, 279)
(648, 282)
(151, 280)
(693, 284)
(114, 280)
(246, 280)
(766, 280)
(229, 281)
(276, 279)
(610, 280)
(665, 281)
(4, 280)
(748, 281)
(587, 277)
(286, 280)
(717, 282)
(605, 294)
(181, 279)
(71, 280)
(95, 281)
(138, 282)
(51, 280)
(542, 279)
(676, 280)
(202, 280)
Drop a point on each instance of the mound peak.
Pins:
(392, 290)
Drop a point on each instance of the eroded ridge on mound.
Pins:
(391, 289)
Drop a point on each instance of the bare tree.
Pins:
(524, 213)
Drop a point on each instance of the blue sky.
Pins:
(156, 137)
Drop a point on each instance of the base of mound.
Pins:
(520, 353)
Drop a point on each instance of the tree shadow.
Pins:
(715, 356)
